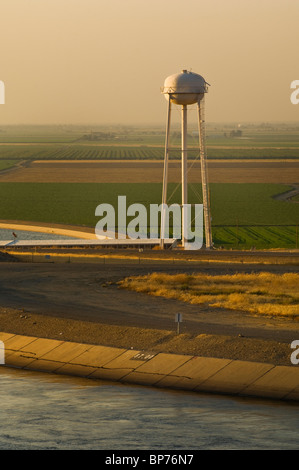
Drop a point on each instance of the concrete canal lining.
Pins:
(183, 372)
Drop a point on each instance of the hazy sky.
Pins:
(104, 61)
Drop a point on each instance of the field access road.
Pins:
(89, 292)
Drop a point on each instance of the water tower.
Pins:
(183, 89)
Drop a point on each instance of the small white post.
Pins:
(178, 320)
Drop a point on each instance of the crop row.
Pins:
(256, 236)
(78, 152)
(94, 152)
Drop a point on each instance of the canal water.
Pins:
(14, 234)
(42, 411)
(45, 411)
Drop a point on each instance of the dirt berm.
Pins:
(218, 346)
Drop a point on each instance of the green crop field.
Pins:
(243, 215)
(4, 164)
(122, 152)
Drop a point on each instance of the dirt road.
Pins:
(90, 293)
(82, 302)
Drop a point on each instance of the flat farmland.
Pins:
(243, 215)
(59, 174)
(254, 202)
(151, 171)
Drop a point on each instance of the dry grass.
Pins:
(264, 293)
(72, 171)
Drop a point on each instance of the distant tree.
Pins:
(237, 133)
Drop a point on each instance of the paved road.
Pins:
(80, 291)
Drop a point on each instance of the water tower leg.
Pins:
(184, 168)
(204, 175)
(165, 176)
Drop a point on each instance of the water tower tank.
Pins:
(184, 87)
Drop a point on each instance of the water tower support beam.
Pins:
(165, 175)
(184, 168)
(204, 175)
